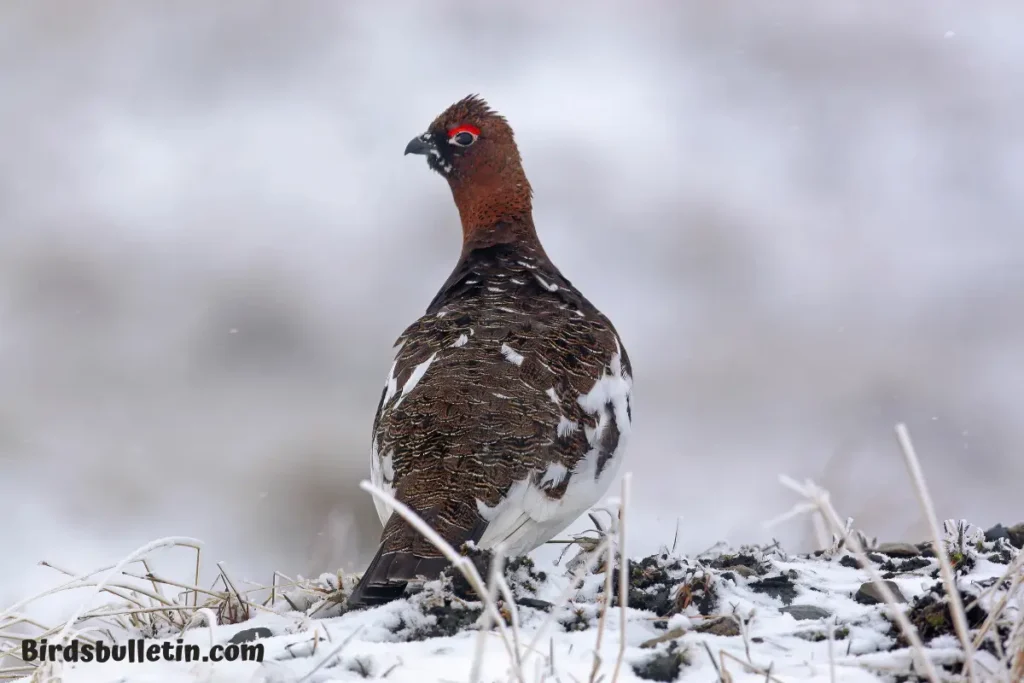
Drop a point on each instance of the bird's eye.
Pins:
(463, 136)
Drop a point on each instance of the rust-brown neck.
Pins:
(495, 209)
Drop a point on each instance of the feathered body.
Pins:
(508, 406)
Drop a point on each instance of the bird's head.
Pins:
(467, 138)
(474, 148)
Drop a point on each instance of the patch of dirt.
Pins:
(759, 567)
(577, 621)
(780, 586)
(451, 618)
(930, 615)
(663, 666)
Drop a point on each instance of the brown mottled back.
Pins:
(506, 411)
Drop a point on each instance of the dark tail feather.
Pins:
(389, 572)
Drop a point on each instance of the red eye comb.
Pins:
(464, 128)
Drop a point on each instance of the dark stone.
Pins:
(869, 594)
(1016, 534)
(875, 557)
(898, 549)
(664, 666)
(781, 587)
(803, 612)
(723, 626)
(535, 603)
(997, 532)
(849, 561)
(914, 563)
(741, 569)
(247, 635)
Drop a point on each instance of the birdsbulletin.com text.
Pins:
(138, 651)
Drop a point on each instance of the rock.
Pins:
(914, 563)
(741, 569)
(535, 603)
(803, 612)
(1016, 534)
(898, 549)
(249, 634)
(869, 593)
(997, 532)
(723, 626)
(849, 561)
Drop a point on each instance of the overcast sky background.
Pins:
(804, 218)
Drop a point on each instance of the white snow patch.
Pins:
(461, 341)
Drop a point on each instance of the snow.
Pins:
(393, 640)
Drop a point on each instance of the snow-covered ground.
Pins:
(756, 612)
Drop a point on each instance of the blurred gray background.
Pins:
(804, 218)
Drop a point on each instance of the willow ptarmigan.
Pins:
(507, 409)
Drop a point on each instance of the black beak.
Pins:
(421, 145)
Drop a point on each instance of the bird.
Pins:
(508, 406)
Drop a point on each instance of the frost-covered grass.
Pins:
(750, 613)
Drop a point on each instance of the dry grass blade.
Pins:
(609, 563)
(506, 593)
(116, 569)
(497, 558)
(956, 605)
